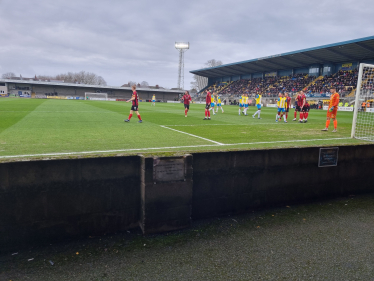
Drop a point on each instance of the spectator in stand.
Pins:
(271, 86)
(344, 81)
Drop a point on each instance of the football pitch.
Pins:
(42, 128)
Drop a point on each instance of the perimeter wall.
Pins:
(48, 200)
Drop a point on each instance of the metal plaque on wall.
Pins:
(328, 157)
(165, 170)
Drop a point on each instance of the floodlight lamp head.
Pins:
(182, 45)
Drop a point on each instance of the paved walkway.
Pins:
(330, 240)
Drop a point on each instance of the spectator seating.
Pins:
(345, 82)
(270, 86)
(219, 86)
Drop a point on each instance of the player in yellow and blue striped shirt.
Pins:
(219, 104)
(245, 103)
(241, 105)
(212, 102)
(154, 100)
(282, 101)
(258, 104)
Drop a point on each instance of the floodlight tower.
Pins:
(182, 47)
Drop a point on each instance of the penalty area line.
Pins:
(192, 135)
(269, 142)
(156, 148)
(248, 125)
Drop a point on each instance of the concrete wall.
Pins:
(257, 75)
(285, 72)
(301, 70)
(235, 182)
(49, 200)
(166, 193)
(67, 198)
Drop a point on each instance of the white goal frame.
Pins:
(363, 119)
(102, 94)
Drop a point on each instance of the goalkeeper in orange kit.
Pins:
(332, 110)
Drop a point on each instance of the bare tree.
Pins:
(144, 84)
(8, 75)
(82, 77)
(70, 77)
(130, 83)
(213, 63)
(195, 82)
(45, 77)
(101, 81)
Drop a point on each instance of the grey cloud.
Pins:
(134, 40)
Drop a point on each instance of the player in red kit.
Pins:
(186, 100)
(301, 103)
(288, 104)
(207, 105)
(135, 105)
(306, 109)
(297, 108)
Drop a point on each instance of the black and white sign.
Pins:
(165, 170)
(328, 157)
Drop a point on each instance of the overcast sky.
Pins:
(134, 40)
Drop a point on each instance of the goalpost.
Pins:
(363, 115)
(95, 96)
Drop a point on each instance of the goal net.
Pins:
(95, 96)
(363, 116)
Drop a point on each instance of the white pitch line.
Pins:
(273, 123)
(205, 125)
(156, 148)
(202, 125)
(192, 135)
(267, 142)
(106, 151)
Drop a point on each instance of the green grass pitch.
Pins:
(57, 128)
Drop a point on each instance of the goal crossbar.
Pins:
(95, 96)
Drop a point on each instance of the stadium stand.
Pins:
(45, 89)
(219, 86)
(320, 67)
(368, 80)
(270, 86)
(345, 82)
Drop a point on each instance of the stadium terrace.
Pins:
(313, 68)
